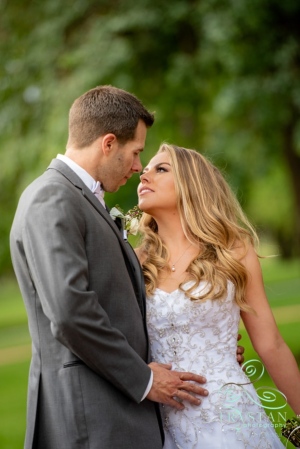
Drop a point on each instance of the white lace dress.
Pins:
(201, 337)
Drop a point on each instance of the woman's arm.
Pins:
(265, 337)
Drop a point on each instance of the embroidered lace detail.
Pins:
(201, 337)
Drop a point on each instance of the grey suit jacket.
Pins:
(84, 294)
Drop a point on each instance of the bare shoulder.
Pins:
(246, 254)
(243, 251)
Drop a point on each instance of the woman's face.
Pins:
(156, 190)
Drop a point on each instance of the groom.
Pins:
(91, 383)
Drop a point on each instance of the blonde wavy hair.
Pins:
(212, 219)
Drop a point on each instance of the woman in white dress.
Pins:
(202, 273)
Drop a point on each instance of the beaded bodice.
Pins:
(201, 337)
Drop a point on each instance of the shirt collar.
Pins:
(88, 180)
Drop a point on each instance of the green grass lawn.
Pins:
(282, 281)
(13, 390)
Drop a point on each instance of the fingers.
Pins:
(173, 387)
(173, 403)
(191, 377)
(239, 337)
(239, 354)
(184, 376)
(240, 359)
(181, 396)
(240, 350)
(190, 383)
(193, 388)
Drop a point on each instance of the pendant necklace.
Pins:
(173, 264)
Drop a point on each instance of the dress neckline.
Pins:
(177, 289)
(165, 292)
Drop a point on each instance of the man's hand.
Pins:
(240, 351)
(170, 387)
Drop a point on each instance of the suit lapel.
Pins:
(69, 174)
(139, 280)
(140, 291)
(130, 258)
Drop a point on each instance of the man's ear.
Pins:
(108, 143)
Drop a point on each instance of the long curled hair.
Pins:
(211, 218)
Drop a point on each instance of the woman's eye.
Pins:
(161, 169)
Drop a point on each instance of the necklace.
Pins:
(173, 264)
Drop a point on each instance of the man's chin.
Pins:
(115, 188)
(123, 182)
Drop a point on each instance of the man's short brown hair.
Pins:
(103, 110)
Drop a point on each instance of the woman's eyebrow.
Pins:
(157, 165)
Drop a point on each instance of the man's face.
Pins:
(124, 160)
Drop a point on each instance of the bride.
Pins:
(202, 273)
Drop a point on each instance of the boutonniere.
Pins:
(131, 219)
(291, 430)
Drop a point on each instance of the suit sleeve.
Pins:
(53, 235)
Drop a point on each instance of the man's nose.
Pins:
(137, 166)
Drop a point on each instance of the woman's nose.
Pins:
(144, 177)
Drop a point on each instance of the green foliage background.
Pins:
(221, 75)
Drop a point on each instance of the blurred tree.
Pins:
(255, 47)
(221, 75)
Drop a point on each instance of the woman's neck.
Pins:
(170, 230)
(181, 251)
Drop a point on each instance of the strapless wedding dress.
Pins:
(201, 337)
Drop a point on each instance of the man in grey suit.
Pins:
(91, 384)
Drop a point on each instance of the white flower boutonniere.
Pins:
(131, 219)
